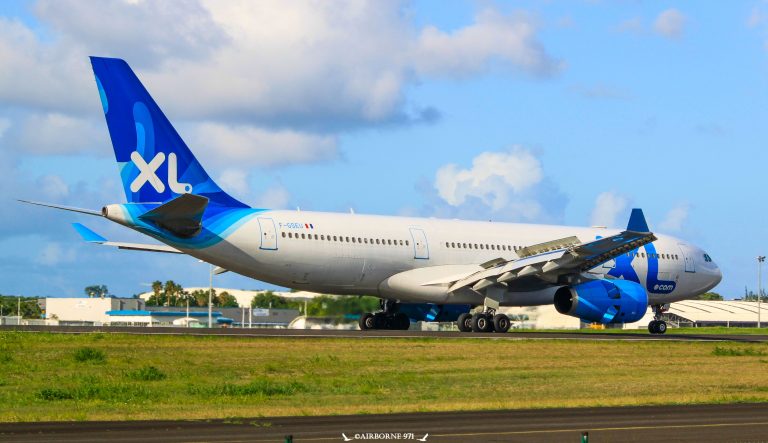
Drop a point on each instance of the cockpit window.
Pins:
(707, 258)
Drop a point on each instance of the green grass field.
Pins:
(130, 377)
(717, 330)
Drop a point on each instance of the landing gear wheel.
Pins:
(366, 321)
(380, 321)
(401, 322)
(501, 323)
(481, 323)
(464, 322)
(661, 327)
(652, 327)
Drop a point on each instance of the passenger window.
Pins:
(377, 241)
(389, 242)
(353, 239)
(302, 236)
(283, 234)
(406, 243)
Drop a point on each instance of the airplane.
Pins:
(422, 269)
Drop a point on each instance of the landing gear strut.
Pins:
(657, 325)
(388, 318)
(485, 321)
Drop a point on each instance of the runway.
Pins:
(701, 423)
(333, 333)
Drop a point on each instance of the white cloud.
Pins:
(55, 254)
(675, 218)
(493, 177)
(670, 23)
(53, 187)
(249, 145)
(299, 63)
(508, 186)
(146, 32)
(274, 197)
(608, 206)
(56, 133)
(493, 37)
(234, 181)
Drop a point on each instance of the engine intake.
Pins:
(603, 301)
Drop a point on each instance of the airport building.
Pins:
(116, 311)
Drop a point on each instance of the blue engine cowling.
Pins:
(433, 312)
(603, 301)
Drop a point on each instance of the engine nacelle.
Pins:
(603, 301)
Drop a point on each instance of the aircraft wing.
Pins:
(559, 261)
(92, 237)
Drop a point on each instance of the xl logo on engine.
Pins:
(148, 174)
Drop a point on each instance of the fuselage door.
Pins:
(420, 246)
(268, 234)
(689, 264)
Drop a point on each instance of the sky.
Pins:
(569, 112)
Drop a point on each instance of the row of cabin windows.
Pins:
(453, 245)
(340, 238)
(661, 256)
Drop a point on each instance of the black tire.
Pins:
(401, 322)
(652, 327)
(481, 323)
(380, 321)
(501, 323)
(366, 322)
(661, 327)
(464, 322)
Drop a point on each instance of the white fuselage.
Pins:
(352, 254)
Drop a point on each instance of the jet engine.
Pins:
(603, 301)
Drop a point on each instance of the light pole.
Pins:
(760, 260)
(210, 297)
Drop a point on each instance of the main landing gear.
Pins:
(657, 325)
(387, 318)
(486, 321)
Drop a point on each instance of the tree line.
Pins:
(171, 293)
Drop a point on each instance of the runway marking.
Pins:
(540, 431)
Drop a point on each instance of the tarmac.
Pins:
(698, 423)
(335, 333)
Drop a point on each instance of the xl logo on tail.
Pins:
(148, 173)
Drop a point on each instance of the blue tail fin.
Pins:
(155, 163)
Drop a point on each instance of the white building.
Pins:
(84, 310)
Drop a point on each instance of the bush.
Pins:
(260, 387)
(147, 373)
(736, 352)
(83, 355)
(52, 394)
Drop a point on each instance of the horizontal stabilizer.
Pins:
(181, 216)
(87, 234)
(92, 237)
(65, 208)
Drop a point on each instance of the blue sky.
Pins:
(562, 112)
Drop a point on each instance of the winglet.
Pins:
(87, 234)
(637, 221)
